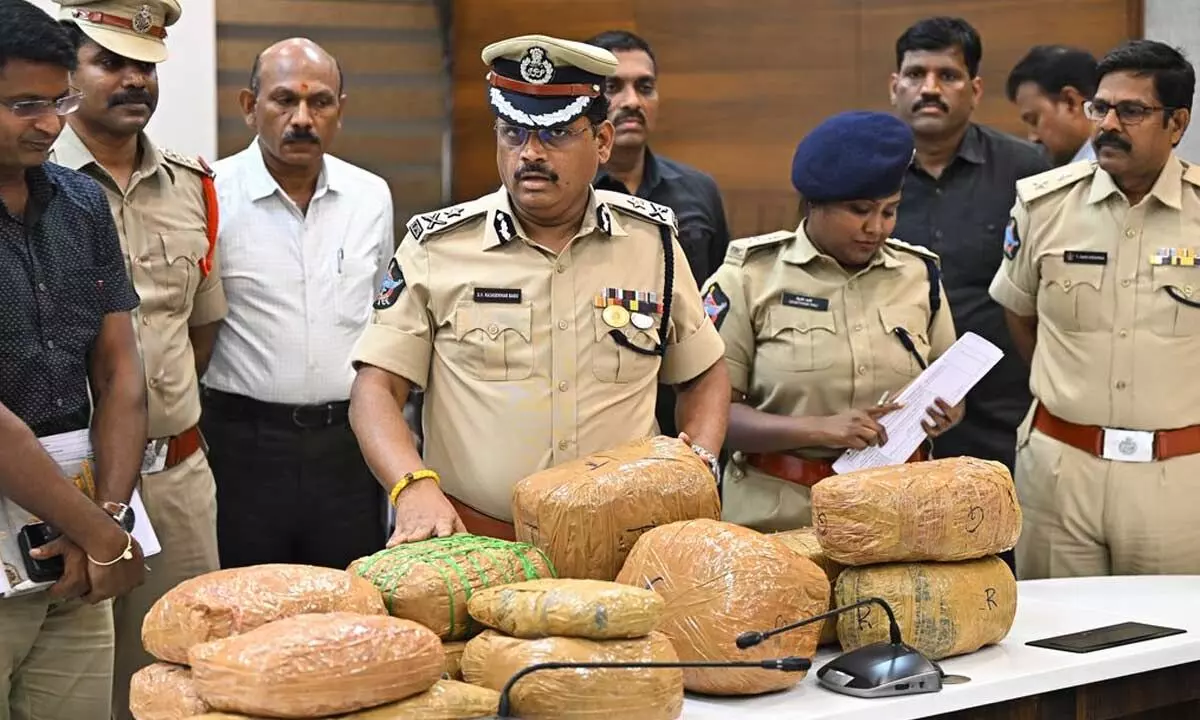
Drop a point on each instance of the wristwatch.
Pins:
(714, 465)
(120, 512)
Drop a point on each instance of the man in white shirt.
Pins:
(305, 238)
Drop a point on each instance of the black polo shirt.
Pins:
(62, 271)
(703, 232)
(962, 216)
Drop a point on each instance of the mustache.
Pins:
(301, 135)
(629, 114)
(131, 97)
(1112, 139)
(536, 170)
(931, 101)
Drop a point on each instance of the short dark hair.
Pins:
(597, 110)
(942, 33)
(74, 34)
(255, 69)
(615, 40)
(30, 34)
(1174, 77)
(1052, 68)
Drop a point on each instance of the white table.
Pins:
(1011, 669)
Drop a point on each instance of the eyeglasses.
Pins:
(1128, 112)
(515, 136)
(29, 109)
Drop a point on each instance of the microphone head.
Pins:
(749, 639)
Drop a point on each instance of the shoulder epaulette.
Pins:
(426, 225)
(195, 164)
(1042, 184)
(636, 206)
(742, 248)
(1191, 173)
(923, 252)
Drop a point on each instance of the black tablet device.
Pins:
(1102, 638)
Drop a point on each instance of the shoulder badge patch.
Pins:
(742, 248)
(195, 164)
(391, 287)
(633, 205)
(716, 304)
(1012, 239)
(1044, 183)
(429, 224)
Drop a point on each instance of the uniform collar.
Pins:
(503, 226)
(262, 184)
(1168, 188)
(802, 252)
(69, 151)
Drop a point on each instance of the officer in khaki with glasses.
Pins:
(1101, 287)
(539, 319)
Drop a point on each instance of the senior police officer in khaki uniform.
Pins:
(823, 323)
(165, 213)
(1102, 290)
(538, 319)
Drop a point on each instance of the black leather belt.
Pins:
(301, 416)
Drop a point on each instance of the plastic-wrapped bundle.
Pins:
(163, 691)
(446, 700)
(588, 513)
(592, 609)
(454, 651)
(957, 508)
(315, 665)
(642, 693)
(943, 609)
(720, 580)
(229, 602)
(431, 581)
(804, 541)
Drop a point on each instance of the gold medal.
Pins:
(615, 316)
(641, 321)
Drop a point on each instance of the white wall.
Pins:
(186, 119)
(1178, 22)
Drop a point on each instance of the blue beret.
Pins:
(855, 155)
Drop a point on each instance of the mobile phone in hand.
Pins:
(34, 536)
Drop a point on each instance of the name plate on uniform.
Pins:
(1086, 257)
(1128, 445)
(807, 302)
(510, 296)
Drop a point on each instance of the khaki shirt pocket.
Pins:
(1176, 300)
(614, 363)
(182, 251)
(797, 340)
(913, 321)
(1070, 294)
(494, 342)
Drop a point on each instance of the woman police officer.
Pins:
(824, 323)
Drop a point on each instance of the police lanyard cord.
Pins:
(906, 341)
(668, 291)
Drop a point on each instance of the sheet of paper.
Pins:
(949, 377)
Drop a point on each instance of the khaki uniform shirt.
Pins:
(805, 337)
(1117, 332)
(161, 217)
(517, 362)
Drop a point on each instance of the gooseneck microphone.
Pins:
(754, 637)
(786, 664)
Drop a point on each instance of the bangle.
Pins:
(714, 465)
(126, 554)
(409, 479)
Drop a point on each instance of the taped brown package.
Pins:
(943, 609)
(957, 508)
(593, 609)
(446, 700)
(224, 603)
(720, 580)
(431, 581)
(804, 541)
(163, 691)
(491, 659)
(314, 665)
(588, 513)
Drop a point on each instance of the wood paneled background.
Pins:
(393, 55)
(741, 82)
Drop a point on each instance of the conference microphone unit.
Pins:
(785, 664)
(881, 669)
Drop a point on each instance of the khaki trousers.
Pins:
(182, 505)
(1086, 516)
(56, 659)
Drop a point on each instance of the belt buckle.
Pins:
(299, 411)
(1128, 445)
(154, 458)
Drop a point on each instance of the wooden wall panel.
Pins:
(393, 55)
(741, 82)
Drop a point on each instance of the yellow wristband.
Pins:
(409, 479)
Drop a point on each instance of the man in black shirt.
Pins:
(957, 197)
(66, 340)
(632, 168)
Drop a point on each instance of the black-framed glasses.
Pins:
(29, 109)
(515, 136)
(1129, 112)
